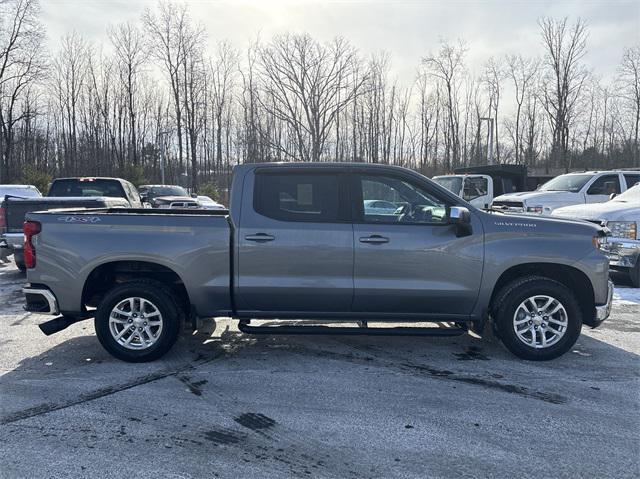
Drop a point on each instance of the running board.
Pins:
(396, 331)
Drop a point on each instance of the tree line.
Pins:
(157, 100)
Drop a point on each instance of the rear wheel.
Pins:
(138, 321)
(537, 318)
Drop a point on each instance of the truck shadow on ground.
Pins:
(78, 370)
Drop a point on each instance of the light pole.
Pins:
(490, 144)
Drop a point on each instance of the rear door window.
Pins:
(631, 179)
(298, 197)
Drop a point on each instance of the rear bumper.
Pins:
(12, 241)
(40, 300)
(604, 310)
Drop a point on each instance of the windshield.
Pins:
(157, 191)
(572, 183)
(87, 187)
(452, 183)
(632, 195)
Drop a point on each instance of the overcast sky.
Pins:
(408, 29)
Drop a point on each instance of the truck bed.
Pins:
(193, 244)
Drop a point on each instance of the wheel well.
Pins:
(572, 278)
(104, 277)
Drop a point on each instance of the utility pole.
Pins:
(490, 142)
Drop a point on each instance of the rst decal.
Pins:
(79, 219)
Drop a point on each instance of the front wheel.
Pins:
(537, 318)
(138, 321)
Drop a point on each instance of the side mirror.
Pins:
(612, 196)
(461, 218)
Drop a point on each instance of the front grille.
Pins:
(513, 206)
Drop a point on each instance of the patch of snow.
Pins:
(626, 295)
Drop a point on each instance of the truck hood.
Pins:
(611, 210)
(171, 199)
(540, 197)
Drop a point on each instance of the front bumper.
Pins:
(622, 252)
(40, 300)
(604, 310)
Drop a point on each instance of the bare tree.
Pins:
(166, 31)
(447, 66)
(21, 65)
(128, 44)
(522, 72)
(309, 84)
(70, 70)
(629, 78)
(565, 47)
(493, 76)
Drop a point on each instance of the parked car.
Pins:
(566, 190)
(19, 191)
(63, 193)
(208, 204)
(621, 215)
(167, 196)
(379, 207)
(293, 246)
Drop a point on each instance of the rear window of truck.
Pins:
(87, 187)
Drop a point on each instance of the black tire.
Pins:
(19, 259)
(162, 298)
(634, 274)
(509, 299)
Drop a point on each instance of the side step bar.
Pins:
(63, 322)
(245, 327)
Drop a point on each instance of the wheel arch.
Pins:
(105, 276)
(571, 277)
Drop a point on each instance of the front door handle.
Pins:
(260, 237)
(374, 239)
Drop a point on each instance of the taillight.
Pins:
(3, 220)
(30, 229)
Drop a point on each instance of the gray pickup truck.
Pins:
(300, 243)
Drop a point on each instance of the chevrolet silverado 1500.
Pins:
(298, 243)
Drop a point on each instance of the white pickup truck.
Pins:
(566, 190)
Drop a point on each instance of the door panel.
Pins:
(420, 269)
(296, 252)
(417, 265)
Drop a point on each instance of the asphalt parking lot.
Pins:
(225, 404)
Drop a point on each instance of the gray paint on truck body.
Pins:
(315, 270)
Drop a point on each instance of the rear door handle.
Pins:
(374, 239)
(260, 237)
